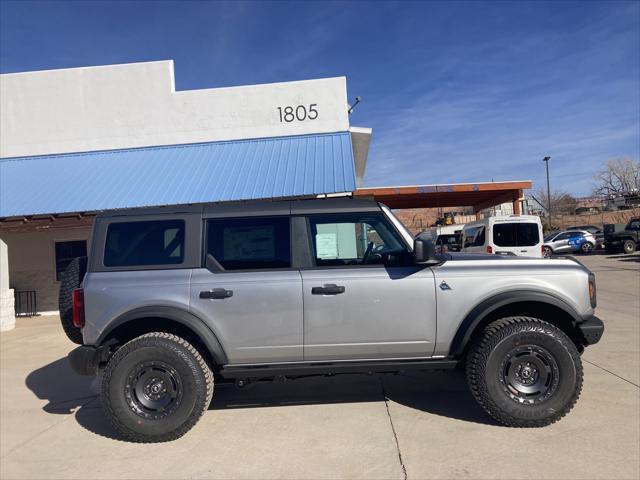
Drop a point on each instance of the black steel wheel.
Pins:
(529, 374)
(153, 390)
(156, 387)
(524, 372)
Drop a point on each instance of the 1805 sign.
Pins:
(300, 113)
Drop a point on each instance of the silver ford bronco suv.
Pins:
(171, 298)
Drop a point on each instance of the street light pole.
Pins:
(546, 163)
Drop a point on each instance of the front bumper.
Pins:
(592, 329)
(86, 359)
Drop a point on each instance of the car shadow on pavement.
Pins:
(437, 393)
(627, 258)
(68, 393)
(61, 387)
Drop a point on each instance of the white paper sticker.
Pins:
(327, 245)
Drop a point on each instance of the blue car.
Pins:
(571, 241)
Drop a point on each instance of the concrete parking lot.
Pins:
(418, 425)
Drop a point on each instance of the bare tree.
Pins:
(618, 176)
(562, 203)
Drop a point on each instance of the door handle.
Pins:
(216, 294)
(328, 289)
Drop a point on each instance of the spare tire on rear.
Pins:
(69, 281)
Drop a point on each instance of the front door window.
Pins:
(355, 239)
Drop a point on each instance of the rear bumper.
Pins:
(86, 360)
(592, 329)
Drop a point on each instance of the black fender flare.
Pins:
(491, 304)
(177, 315)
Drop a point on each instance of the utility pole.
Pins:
(546, 163)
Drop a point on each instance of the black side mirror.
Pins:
(425, 251)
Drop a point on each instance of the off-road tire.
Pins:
(69, 281)
(629, 246)
(119, 390)
(485, 371)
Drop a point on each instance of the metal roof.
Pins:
(197, 173)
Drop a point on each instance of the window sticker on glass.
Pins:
(242, 243)
(327, 245)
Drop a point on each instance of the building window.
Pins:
(250, 243)
(67, 251)
(156, 242)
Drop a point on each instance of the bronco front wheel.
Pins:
(156, 387)
(524, 372)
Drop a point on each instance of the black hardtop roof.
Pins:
(255, 208)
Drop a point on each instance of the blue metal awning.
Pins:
(174, 175)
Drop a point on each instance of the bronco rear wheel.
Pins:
(156, 387)
(524, 372)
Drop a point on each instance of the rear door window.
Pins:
(250, 243)
(156, 242)
(516, 234)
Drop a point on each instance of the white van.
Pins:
(512, 235)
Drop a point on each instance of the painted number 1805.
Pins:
(299, 113)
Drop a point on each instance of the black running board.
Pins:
(329, 368)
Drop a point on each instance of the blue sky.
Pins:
(455, 91)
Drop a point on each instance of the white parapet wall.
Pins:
(7, 312)
(136, 105)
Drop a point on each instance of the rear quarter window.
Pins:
(155, 242)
